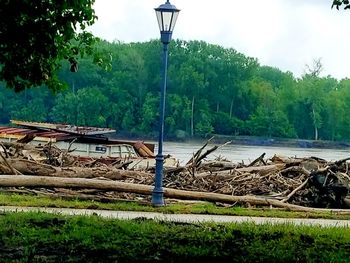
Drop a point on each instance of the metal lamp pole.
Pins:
(167, 16)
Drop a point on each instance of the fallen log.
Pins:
(290, 161)
(44, 181)
(218, 166)
(34, 168)
(261, 170)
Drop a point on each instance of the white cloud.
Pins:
(283, 33)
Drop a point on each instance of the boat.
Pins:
(84, 142)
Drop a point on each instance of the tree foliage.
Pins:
(36, 35)
(211, 90)
(341, 3)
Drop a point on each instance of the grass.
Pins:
(173, 208)
(39, 237)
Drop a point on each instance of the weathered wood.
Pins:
(218, 165)
(45, 181)
(286, 160)
(261, 170)
(329, 182)
(34, 168)
(297, 169)
(13, 171)
(199, 151)
(211, 150)
(295, 190)
(259, 159)
(339, 162)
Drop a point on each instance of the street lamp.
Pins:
(166, 15)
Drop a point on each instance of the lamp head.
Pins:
(166, 15)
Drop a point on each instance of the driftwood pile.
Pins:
(294, 183)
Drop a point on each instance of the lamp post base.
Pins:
(157, 198)
(158, 192)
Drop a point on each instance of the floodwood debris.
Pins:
(300, 184)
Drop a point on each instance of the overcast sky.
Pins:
(282, 33)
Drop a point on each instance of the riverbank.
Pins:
(246, 141)
(280, 142)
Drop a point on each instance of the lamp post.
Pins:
(166, 16)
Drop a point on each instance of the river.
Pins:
(239, 153)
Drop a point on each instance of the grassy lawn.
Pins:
(40, 237)
(174, 208)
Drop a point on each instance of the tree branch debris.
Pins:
(300, 184)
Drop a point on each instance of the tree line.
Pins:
(211, 90)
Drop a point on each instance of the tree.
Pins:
(338, 111)
(313, 92)
(203, 119)
(92, 107)
(315, 69)
(265, 122)
(149, 114)
(65, 109)
(178, 114)
(33, 110)
(224, 124)
(341, 3)
(36, 35)
(87, 107)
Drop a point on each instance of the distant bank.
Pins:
(280, 142)
(247, 140)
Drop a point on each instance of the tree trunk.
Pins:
(192, 118)
(316, 133)
(261, 170)
(33, 168)
(315, 124)
(54, 182)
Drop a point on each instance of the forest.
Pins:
(211, 90)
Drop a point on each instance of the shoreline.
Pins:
(282, 142)
(245, 141)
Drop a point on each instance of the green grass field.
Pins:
(39, 237)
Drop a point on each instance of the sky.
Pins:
(287, 34)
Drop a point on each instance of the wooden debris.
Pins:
(42, 181)
(257, 160)
(301, 184)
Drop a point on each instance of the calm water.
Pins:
(239, 153)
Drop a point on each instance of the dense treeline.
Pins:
(211, 89)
